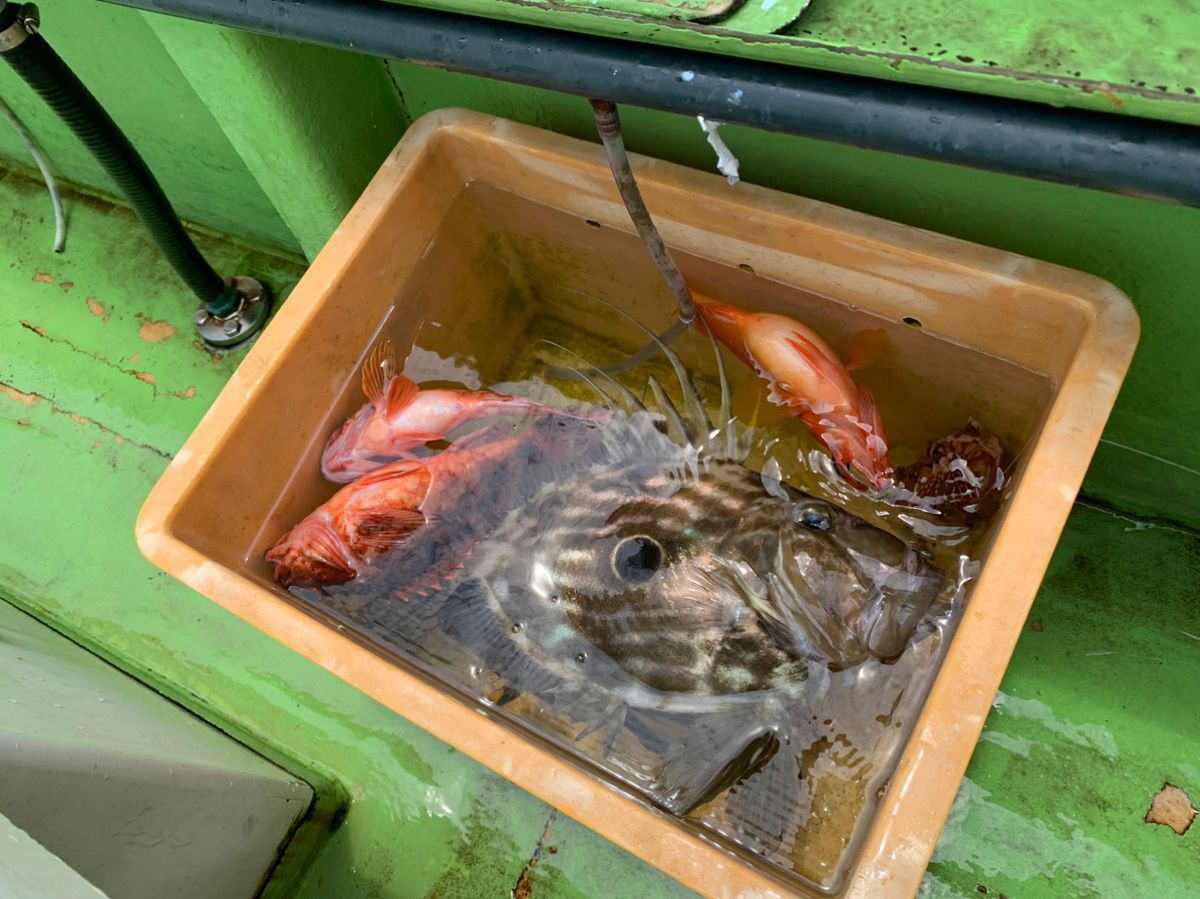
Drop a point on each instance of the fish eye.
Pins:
(814, 517)
(635, 559)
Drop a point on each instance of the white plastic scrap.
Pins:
(727, 163)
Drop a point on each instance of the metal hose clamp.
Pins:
(24, 25)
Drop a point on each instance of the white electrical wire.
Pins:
(60, 222)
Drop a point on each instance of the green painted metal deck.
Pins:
(101, 380)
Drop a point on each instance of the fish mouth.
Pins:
(853, 594)
(312, 554)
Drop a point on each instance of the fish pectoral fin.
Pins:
(865, 348)
(381, 528)
(803, 626)
(828, 368)
(869, 414)
(382, 381)
(399, 394)
(723, 751)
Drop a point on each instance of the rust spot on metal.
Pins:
(1105, 90)
(524, 886)
(208, 351)
(1173, 807)
(156, 331)
(97, 308)
(17, 396)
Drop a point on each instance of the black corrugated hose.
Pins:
(35, 61)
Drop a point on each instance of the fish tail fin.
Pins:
(728, 324)
(336, 462)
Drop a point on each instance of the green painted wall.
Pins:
(114, 52)
(234, 126)
(313, 130)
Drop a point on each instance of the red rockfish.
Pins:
(358, 523)
(442, 504)
(807, 377)
(401, 417)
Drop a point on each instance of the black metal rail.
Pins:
(1104, 151)
(43, 70)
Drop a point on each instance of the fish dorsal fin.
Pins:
(382, 381)
(417, 473)
(865, 348)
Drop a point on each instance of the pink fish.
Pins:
(401, 418)
(807, 377)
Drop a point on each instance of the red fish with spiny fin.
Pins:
(436, 509)
(362, 520)
(806, 376)
(401, 418)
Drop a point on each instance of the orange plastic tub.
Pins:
(483, 222)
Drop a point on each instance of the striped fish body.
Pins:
(696, 579)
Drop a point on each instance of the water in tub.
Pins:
(665, 572)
